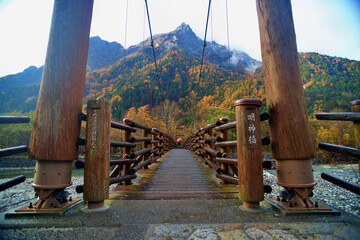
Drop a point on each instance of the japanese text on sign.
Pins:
(251, 128)
(94, 130)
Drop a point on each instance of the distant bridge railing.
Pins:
(246, 170)
(153, 144)
(353, 116)
(13, 150)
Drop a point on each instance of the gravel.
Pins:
(326, 192)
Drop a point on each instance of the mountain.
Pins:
(184, 38)
(129, 80)
(330, 83)
(31, 75)
(101, 54)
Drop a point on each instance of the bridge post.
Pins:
(145, 145)
(56, 125)
(97, 155)
(249, 152)
(127, 150)
(291, 139)
(355, 107)
(224, 134)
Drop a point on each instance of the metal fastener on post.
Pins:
(97, 155)
(249, 152)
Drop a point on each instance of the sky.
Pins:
(330, 27)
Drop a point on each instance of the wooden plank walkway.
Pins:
(177, 175)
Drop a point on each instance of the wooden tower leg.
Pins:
(56, 125)
(291, 140)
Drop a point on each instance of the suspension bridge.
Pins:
(202, 178)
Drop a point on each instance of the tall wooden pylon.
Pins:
(56, 125)
(291, 140)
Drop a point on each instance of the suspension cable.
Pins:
(156, 67)
(144, 24)
(202, 63)
(126, 21)
(204, 46)
(211, 19)
(227, 28)
(154, 55)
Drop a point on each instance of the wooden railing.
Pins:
(353, 116)
(13, 150)
(152, 145)
(214, 150)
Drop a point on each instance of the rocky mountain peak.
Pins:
(183, 27)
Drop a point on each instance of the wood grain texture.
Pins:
(249, 153)
(56, 126)
(178, 175)
(289, 127)
(97, 155)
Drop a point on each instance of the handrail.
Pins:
(140, 139)
(131, 161)
(13, 150)
(341, 183)
(226, 126)
(14, 119)
(354, 152)
(339, 116)
(12, 182)
(204, 143)
(353, 116)
(83, 117)
(141, 126)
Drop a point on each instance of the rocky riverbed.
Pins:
(325, 192)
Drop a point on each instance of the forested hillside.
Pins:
(330, 83)
(130, 82)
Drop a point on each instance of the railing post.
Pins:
(224, 135)
(97, 154)
(127, 150)
(154, 144)
(291, 139)
(355, 107)
(145, 145)
(249, 152)
(201, 146)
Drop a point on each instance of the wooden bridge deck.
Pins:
(178, 175)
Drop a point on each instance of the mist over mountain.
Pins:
(184, 38)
